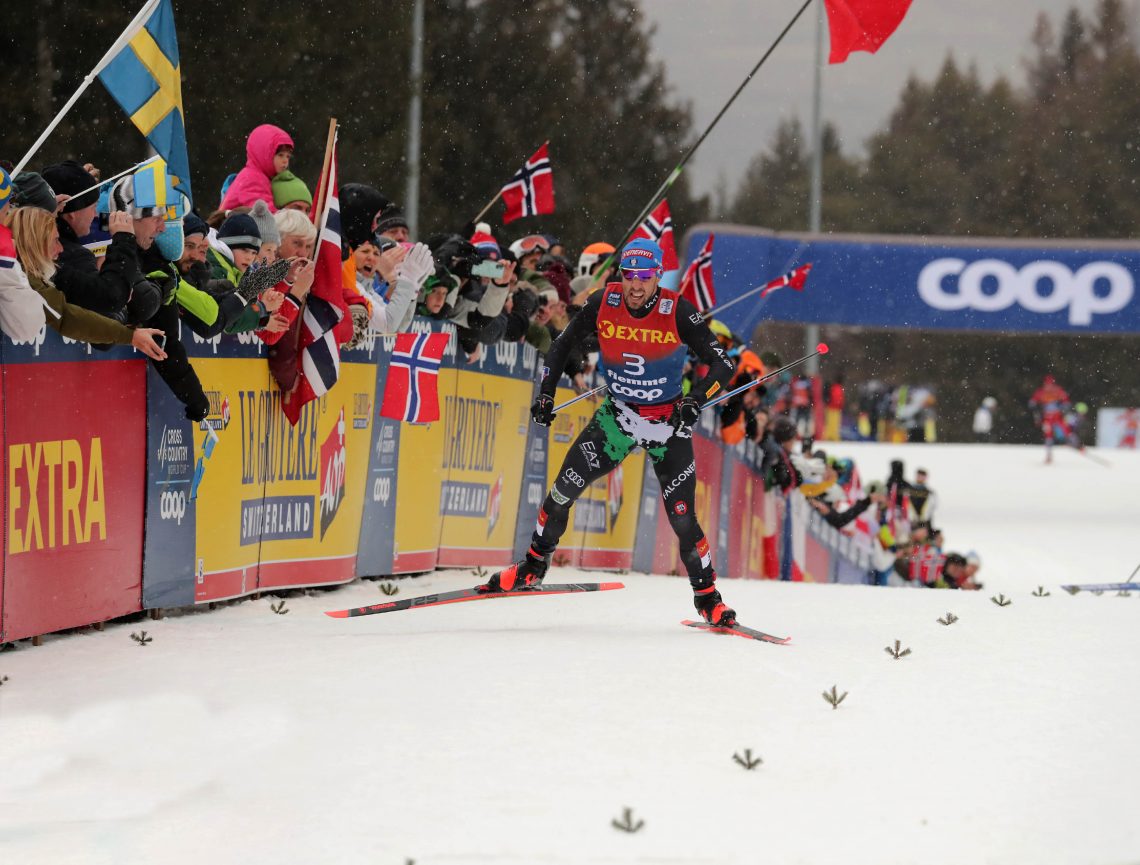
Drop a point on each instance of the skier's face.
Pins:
(638, 286)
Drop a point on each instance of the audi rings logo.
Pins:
(172, 506)
(990, 285)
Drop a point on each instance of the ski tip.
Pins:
(337, 614)
(605, 587)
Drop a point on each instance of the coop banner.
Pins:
(927, 282)
(485, 432)
(74, 451)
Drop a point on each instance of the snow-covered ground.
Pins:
(515, 731)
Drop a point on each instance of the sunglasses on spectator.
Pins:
(639, 273)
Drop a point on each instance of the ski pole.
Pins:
(580, 396)
(819, 349)
(664, 188)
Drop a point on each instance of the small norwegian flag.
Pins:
(795, 278)
(411, 393)
(697, 283)
(658, 227)
(531, 191)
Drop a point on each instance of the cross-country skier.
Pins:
(643, 332)
(1049, 404)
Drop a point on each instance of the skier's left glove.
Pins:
(685, 413)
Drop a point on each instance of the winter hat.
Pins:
(31, 190)
(71, 178)
(240, 232)
(359, 206)
(5, 186)
(192, 223)
(170, 241)
(487, 246)
(139, 194)
(989, 402)
(391, 217)
(783, 430)
(266, 224)
(973, 558)
(287, 188)
(641, 254)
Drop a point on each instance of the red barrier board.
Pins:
(75, 455)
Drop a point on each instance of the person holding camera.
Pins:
(644, 334)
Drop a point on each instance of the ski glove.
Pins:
(685, 413)
(417, 265)
(543, 410)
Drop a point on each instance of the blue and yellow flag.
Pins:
(145, 79)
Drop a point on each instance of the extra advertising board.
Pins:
(74, 453)
(485, 430)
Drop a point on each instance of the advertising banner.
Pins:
(568, 425)
(75, 455)
(485, 428)
(168, 556)
(927, 282)
(1117, 427)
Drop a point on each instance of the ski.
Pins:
(462, 595)
(1103, 587)
(738, 630)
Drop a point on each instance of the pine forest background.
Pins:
(1055, 155)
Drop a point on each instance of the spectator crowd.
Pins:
(127, 262)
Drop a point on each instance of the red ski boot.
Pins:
(524, 574)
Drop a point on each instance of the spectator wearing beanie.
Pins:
(291, 193)
(240, 235)
(392, 224)
(31, 190)
(21, 309)
(268, 151)
(360, 208)
(267, 229)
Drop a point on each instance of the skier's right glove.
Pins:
(542, 410)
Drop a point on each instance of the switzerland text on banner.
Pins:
(411, 393)
(145, 79)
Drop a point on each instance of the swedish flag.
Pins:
(145, 79)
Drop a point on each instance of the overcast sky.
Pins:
(709, 47)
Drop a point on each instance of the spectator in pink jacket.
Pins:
(267, 153)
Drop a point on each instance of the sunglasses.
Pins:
(639, 273)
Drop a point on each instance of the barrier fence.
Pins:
(115, 503)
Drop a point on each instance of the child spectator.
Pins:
(268, 151)
(267, 230)
(291, 193)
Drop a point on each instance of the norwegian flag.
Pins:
(411, 393)
(697, 283)
(658, 227)
(531, 191)
(795, 278)
(317, 350)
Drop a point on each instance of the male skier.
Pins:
(644, 333)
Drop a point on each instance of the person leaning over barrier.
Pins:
(21, 308)
(37, 246)
(644, 333)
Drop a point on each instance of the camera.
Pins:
(492, 269)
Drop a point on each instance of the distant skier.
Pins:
(984, 420)
(1075, 420)
(1131, 421)
(644, 333)
(1049, 404)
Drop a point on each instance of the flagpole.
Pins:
(125, 37)
(323, 189)
(672, 178)
(490, 204)
(113, 178)
(819, 349)
(719, 309)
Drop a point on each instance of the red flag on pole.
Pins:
(531, 191)
(658, 227)
(795, 278)
(862, 25)
(697, 283)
